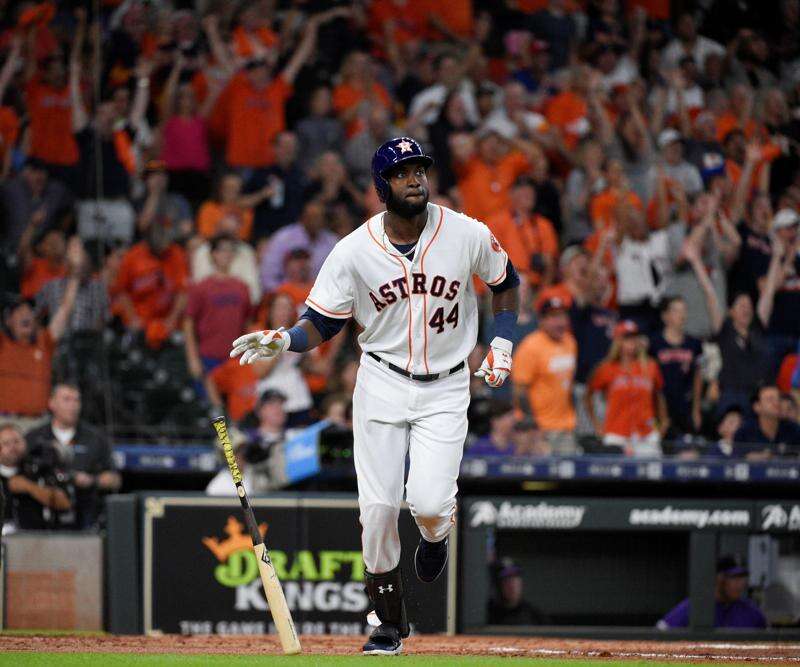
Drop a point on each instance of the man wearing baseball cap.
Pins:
(731, 609)
(507, 606)
(675, 168)
(543, 372)
(498, 441)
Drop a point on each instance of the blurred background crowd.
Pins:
(174, 173)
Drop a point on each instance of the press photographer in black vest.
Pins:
(79, 449)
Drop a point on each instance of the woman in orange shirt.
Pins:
(357, 91)
(215, 214)
(636, 412)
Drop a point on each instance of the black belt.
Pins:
(430, 377)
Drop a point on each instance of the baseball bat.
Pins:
(269, 578)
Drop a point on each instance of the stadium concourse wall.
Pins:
(596, 567)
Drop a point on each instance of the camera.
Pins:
(44, 464)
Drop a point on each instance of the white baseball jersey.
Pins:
(419, 314)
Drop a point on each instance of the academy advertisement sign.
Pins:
(689, 517)
(525, 515)
(553, 513)
(201, 548)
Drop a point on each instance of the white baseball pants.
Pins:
(394, 415)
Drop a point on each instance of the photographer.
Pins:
(38, 495)
(77, 448)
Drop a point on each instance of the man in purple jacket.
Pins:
(731, 609)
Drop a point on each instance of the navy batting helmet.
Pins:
(392, 153)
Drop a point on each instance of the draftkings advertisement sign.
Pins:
(201, 575)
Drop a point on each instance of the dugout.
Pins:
(611, 568)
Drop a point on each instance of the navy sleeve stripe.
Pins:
(511, 279)
(328, 327)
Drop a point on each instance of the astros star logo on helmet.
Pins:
(404, 146)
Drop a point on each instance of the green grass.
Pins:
(23, 659)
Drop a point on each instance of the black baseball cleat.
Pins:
(384, 640)
(430, 559)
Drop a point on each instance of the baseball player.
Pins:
(405, 276)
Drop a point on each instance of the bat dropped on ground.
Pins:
(272, 586)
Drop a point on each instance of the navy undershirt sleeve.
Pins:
(511, 279)
(328, 327)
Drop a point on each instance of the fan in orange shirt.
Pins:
(529, 238)
(636, 412)
(543, 371)
(50, 109)
(151, 285)
(568, 111)
(738, 154)
(357, 92)
(485, 176)
(574, 268)
(603, 206)
(26, 353)
(228, 203)
(298, 283)
(399, 21)
(256, 113)
(34, 19)
(47, 261)
(255, 101)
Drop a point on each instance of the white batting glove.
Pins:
(260, 345)
(497, 364)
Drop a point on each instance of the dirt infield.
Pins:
(718, 652)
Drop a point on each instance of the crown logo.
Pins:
(236, 541)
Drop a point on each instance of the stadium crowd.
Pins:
(174, 173)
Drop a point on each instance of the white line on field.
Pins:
(549, 651)
(506, 649)
(667, 656)
(747, 646)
